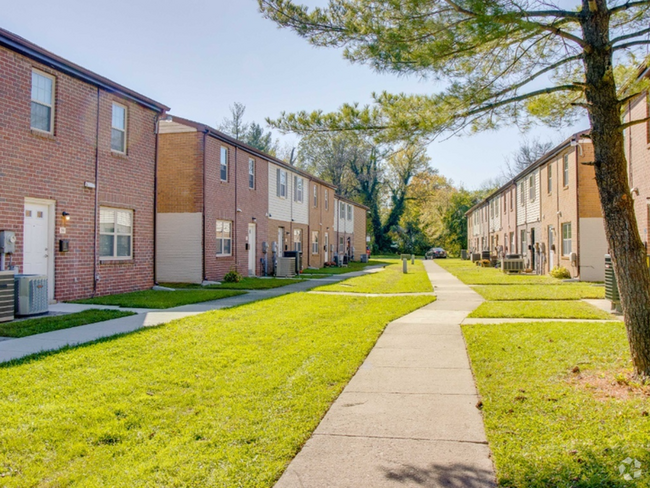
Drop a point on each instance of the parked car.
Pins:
(435, 252)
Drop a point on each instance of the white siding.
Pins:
(179, 254)
(495, 213)
(592, 249)
(530, 211)
(285, 208)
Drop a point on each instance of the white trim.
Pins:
(52, 101)
(115, 257)
(51, 210)
(126, 127)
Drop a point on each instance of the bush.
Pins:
(232, 276)
(560, 272)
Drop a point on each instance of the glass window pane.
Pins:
(106, 245)
(42, 88)
(117, 140)
(119, 117)
(124, 246)
(226, 229)
(224, 172)
(219, 246)
(124, 222)
(226, 246)
(41, 117)
(106, 220)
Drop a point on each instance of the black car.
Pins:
(435, 252)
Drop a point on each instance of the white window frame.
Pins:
(251, 173)
(327, 200)
(315, 196)
(567, 246)
(522, 196)
(124, 131)
(223, 238)
(349, 212)
(297, 239)
(549, 178)
(523, 242)
(115, 234)
(298, 181)
(341, 210)
(531, 187)
(283, 184)
(314, 242)
(565, 171)
(223, 163)
(52, 100)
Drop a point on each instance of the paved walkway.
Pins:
(18, 348)
(408, 417)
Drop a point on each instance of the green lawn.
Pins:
(549, 309)
(389, 280)
(244, 284)
(566, 291)
(24, 328)
(544, 428)
(225, 398)
(352, 266)
(160, 299)
(471, 274)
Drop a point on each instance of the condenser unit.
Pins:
(510, 266)
(6, 296)
(31, 294)
(286, 268)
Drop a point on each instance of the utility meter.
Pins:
(7, 242)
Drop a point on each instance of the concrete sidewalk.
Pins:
(17, 348)
(408, 417)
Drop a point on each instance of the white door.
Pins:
(551, 243)
(327, 247)
(35, 244)
(280, 241)
(251, 249)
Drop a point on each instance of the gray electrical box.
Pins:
(7, 242)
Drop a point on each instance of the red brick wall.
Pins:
(180, 172)
(56, 167)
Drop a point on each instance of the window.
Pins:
(224, 237)
(566, 239)
(297, 239)
(504, 202)
(314, 242)
(327, 200)
(118, 128)
(512, 197)
(349, 212)
(297, 189)
(521, 194)
(531, 188)
(281, 182)
(251, 173)
(341, 242)
(565, 174)
(223, 164)
(315, 196)
(42, 117)
(342, 211)
(522, 240)
(115, 233)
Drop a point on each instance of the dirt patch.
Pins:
(619, 384)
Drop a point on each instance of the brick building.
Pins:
(321, 220)
(77, 168)
(212, 204)
(349, 227)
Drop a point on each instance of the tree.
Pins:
(235, 125)
(528, 152)
(256, 137)
(504, 61)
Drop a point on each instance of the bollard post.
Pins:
(404, 266)
(412, 258)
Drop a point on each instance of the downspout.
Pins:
(203, 190)
(234, 234)
(578, 148)
(95, 277)
(155, 198)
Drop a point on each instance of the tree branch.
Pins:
(630, 44)
(634, 122)
(628, 5)
(629, 97)
(629, 36)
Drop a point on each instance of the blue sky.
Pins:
(199, 57)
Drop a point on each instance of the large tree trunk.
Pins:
(626, 247)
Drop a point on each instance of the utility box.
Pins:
(7, 242)
(6, 296)
(611, 285)
(297, 255)
(31, 294)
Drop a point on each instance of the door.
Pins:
(35, 248)
(251, 249)
(532, 248)
(280, 241)
(327, 247)
(551, 243)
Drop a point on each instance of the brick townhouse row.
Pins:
(100, 188)
(549, 214)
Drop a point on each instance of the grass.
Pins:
(352, 266)
(160, 299)
(543, 428)
(389, 280)
(244, 284)
(566, 291)
(471, 274)
(225, 398)
(550, 309)
(24, 328)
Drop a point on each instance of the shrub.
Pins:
(232, 276)
(560, 272)
(485, 263)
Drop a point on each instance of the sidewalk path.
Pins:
(408, 417)
(25, 346)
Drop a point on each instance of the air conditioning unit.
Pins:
(31, 294)
(6, 296)
(286, 268)
(511, 266)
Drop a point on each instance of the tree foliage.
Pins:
(250, 133)
(529, 151)
(502, 62)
